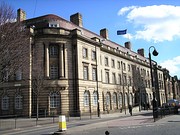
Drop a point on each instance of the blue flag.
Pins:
(121, 32)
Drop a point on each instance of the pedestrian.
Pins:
(144, 105)
(148, 106)
(107, 133)
(130, 109)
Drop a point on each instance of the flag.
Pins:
(121, 32)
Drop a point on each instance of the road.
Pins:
(141, 124)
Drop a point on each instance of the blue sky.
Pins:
(148, 22)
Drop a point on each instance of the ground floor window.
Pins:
(18, 102)
(95, 98)
(5, 103)
(54, 100)
(86, 98)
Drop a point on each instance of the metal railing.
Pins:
(16, 121)
(161, 112)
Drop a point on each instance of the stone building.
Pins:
(73, 70)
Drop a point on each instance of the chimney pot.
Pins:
(104, 33)
(21, 15)
(141, 52)
(128, 45)
(77, 19)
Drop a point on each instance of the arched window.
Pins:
(95, 98)
(18, 102)
(5, 103)
(108, 98)
(114, 98)
(120, 100)
(86, 98)
(54, 100)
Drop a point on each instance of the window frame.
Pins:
(54, 100)
(85, 53)
(18, 102)
(85, 72)
(106, 61)
(94, 74)
(5, 102)
(53, 50)
(93, 55)
(86, 98)
(107, 77)
(54, 71)
(95, 99)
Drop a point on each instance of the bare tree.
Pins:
(37, 86)
(14, 43)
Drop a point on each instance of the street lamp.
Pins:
(98, 107)
(155, 53)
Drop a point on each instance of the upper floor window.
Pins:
(113, 63)
(119, 79)
(107, 77)
(53, 50)
(113, 78)
(85, 53)
(124, 66)
(54, 72)
(118, 65)
(93, 55)
(124, 80)
(129, 67)
(129, 81)
(94, 78)
(148, 73)
(85, 74)
(18, 75)
(53, 25)
(106, 61)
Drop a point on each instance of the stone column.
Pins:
(47, 60)
(61, 61)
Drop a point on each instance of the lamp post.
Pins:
(155, 53)
(124, 95)
(98, 108)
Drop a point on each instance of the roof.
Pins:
(86, 33)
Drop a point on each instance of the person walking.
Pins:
(130, 109)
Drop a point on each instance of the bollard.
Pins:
(62, 123)
(62, 126)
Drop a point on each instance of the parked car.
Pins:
(173, 102)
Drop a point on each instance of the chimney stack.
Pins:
(128, 45)
(21, 15)
(104, 33)
(141, 52)
(77, 19)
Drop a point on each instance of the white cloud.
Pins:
(173, 65)
(125, 9)
(128, 36)
(155, 23)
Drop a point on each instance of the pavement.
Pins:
(122, 120)
(108, 120)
